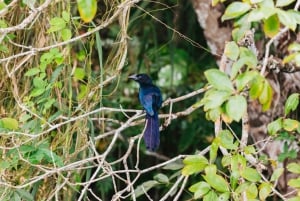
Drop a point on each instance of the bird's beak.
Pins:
(133, 77)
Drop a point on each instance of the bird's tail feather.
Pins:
(151, 134)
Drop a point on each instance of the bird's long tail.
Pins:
(151, 133)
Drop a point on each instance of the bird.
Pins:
(151, 99)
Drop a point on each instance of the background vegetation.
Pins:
(71, 124)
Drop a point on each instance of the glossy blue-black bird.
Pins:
(151, 99)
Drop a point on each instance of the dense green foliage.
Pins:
(71, 123)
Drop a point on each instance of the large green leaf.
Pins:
(271, 26)
(244, 79)
(199, 189)
(235, 9)
(194, 164)
(275, 126)
(290, 124)
(214, 180)
(226, 139)
(264, 190)
(287, 19)
(219, 80)
(236, 107)
(56, 24)
(250, 174)
(215, 98)
(87, 9)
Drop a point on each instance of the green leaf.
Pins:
(227, 139)
(265, 190)
(79, 73)
(37, 92)
(56, 24)
(265, 97)
(224, 196)
(199, 189)
(291, 103)
(287, 19)
(250, 174)
(176, 165)
(250, 149)
(275, 126)
(39, 83)
(294, 199)
(282, 3)
(25, 195)
(32, 71)
(219, 80)
(66, 34)
(213, 151)
(294, 168)
(271, 26)
(214, 99)
(214, 180)
(250, 57)
(161, 178)
(267, 7)
(256, 87)
(235, 9)
(242, 187)
(66, 16)
(294, 183)
(232, 50)
(236, 107)
(256, 15)
(194, 164)
(294, 47)
(290, 124)
(87, 9)
(210, 196)
(252, 191)
(238, 163)
(9, 123)
(244, 79)
(276, 174)
(144, 188)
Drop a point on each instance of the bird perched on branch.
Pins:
(151, 99)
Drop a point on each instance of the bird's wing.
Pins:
(151, 100)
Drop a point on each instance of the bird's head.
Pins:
(141, 78)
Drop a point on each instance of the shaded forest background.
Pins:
(71, 124)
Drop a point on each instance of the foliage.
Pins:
(70, 125)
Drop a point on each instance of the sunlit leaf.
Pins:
(232, 50)
(256, 87)
(250, 174)
(219, 80)
(290, 124)
(215, 98)
(226, 139)
(291, 103)
(9, 123)
(275, 126)
(66, 16)
(252, 191)
(213, 151)
(236, 107)
(287, 19)
(282, 3)
(244, 79)
(87, 9)
(255, 15)
(56, 24)
(265, 190)
(211, 195)
(294, 183)
(199, 189)
(214, 180)
(66, 34)
(194, 164)
(235, 9)
(266, 95)
(32, 71)
(294, 168)
(276, 174)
